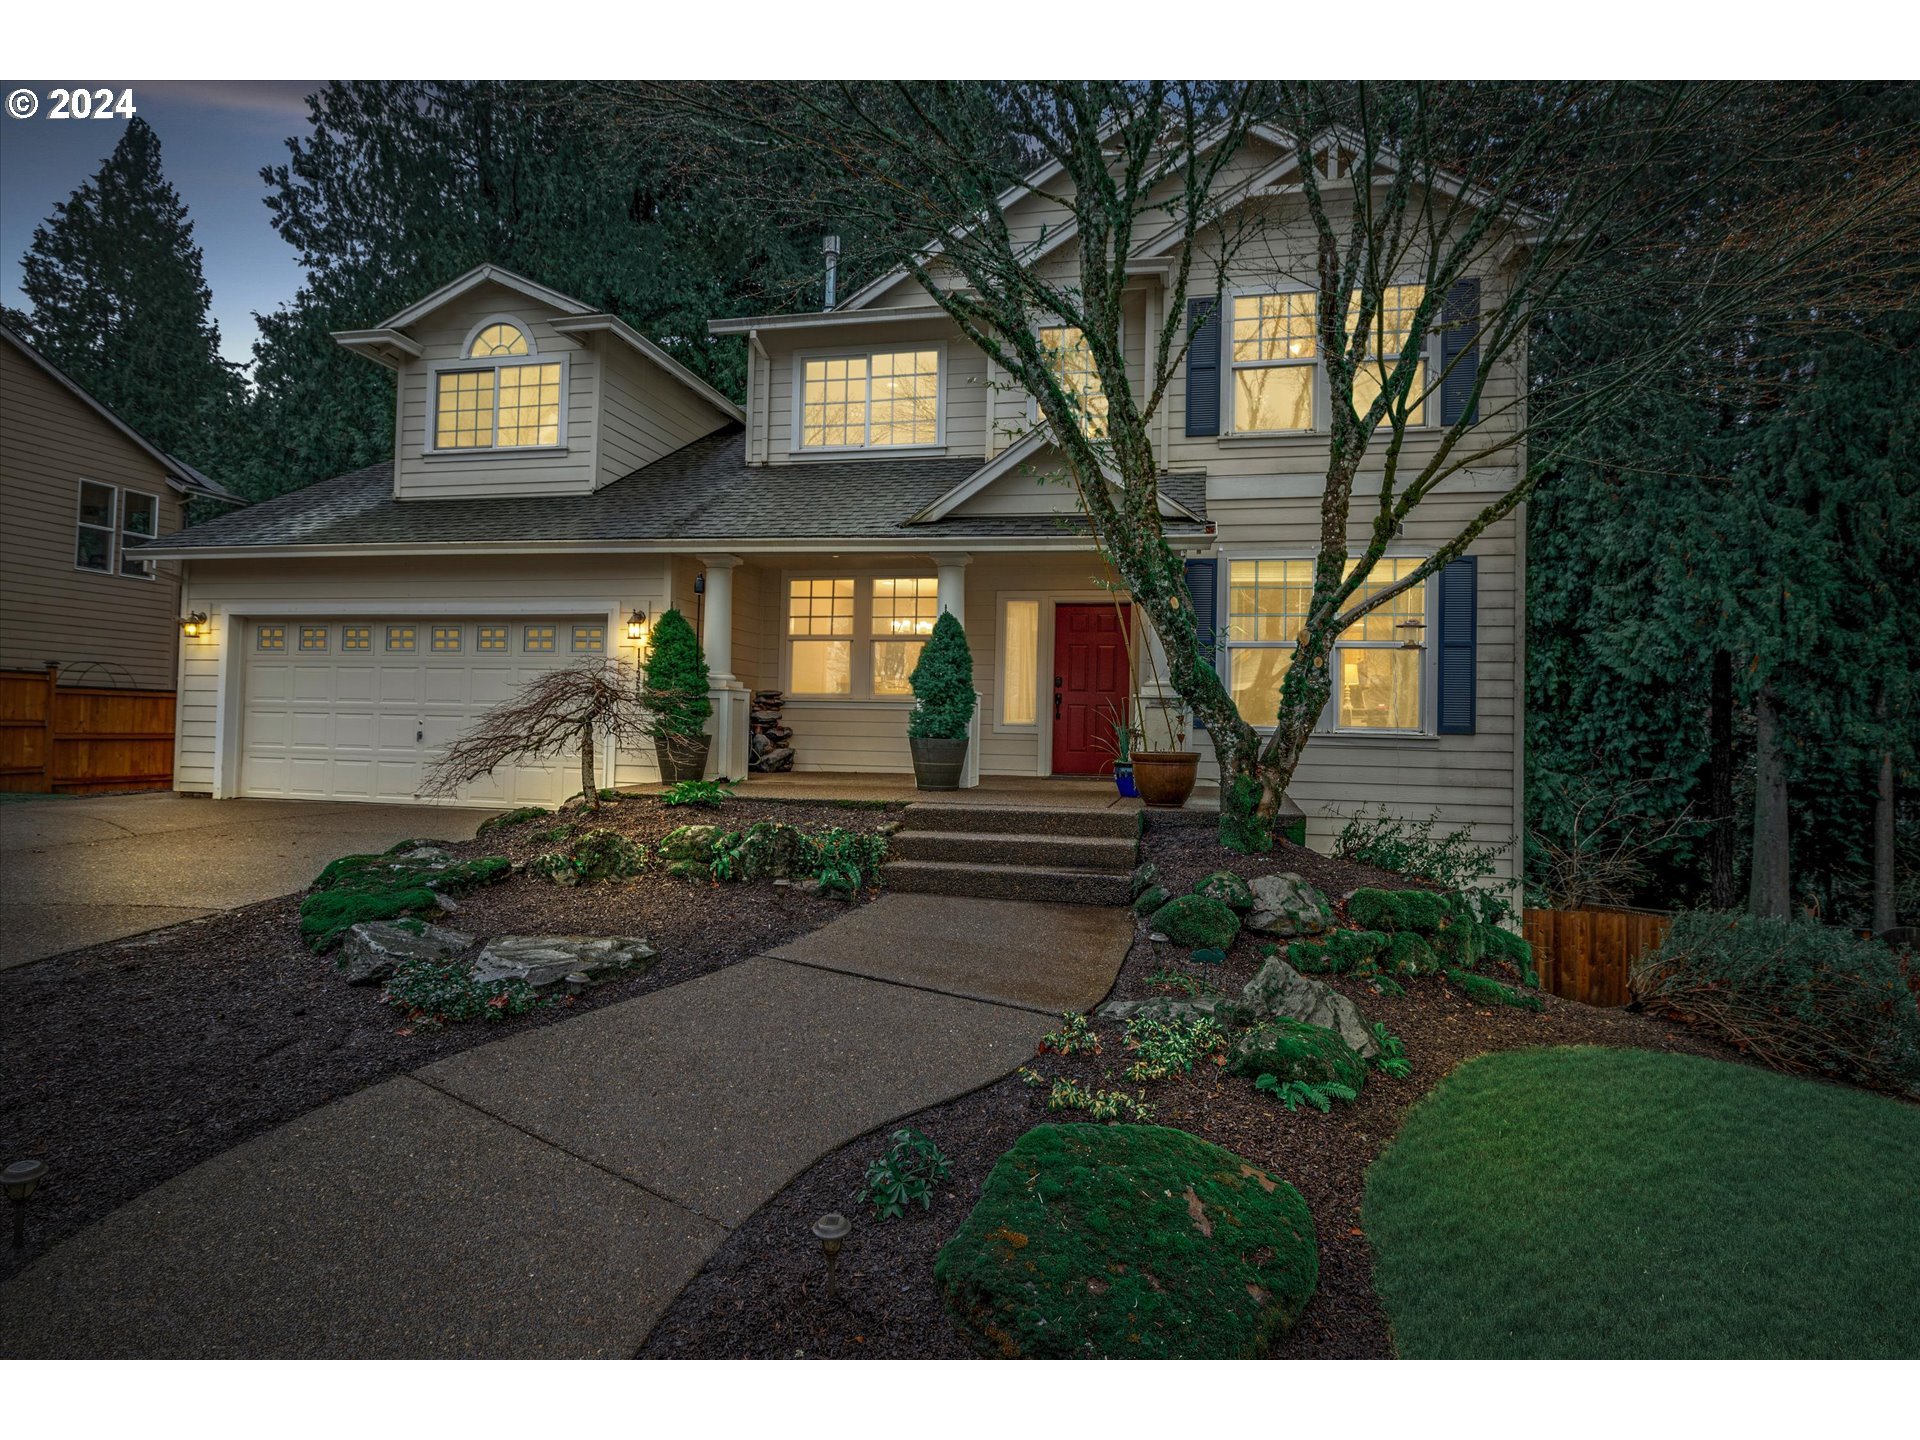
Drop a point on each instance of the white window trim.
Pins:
(120, 532)
(1001, 600)
(114, 531)
(1325, 727)
(847, 352)
(862, 638)
(1041, 732)
(1053, 322)
(1322, 397)
(534, 356)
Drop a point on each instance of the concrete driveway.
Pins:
(76, 872)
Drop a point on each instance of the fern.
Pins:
(1294, 1093)
(1391, 1060)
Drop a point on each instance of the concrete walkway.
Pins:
(82, 871)
(550, 1194)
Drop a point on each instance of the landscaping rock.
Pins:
(1150, 900)
(540, 960)
(690, 842)
(1128, 1242)
(1279, 990)
(1146, 875)
(374, 949)
(1287, 906)
(1229, 889)
(1197, 922)
(1293, 1050)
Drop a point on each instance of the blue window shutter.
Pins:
(1202, 585)
(1460, 350)
(1459, 592)
(1203, 367)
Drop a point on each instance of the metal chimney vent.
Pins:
(830, 247)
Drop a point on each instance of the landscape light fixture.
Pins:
(637, 624)
(20, 1180)
(832, 1230)
(193, 624)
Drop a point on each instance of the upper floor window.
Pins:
(1071, 360)
(886, 397)
(496, 397)
(111, 523)
(1277, 366)
(1386, 342)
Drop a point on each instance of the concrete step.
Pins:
(1109, 854)
(1020, 820)
(1005, 882)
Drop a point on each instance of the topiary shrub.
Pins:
(1294, 1050)
(512, 817)
(1797, 995)
(381, 887)
(1128, 1242)
(1229, 889)
(1198, 922)
(942, 684)
(674, 679)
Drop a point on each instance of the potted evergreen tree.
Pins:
(943, 687)
(674, 690)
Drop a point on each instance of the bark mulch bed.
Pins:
(128, 1062)
(760, 1295)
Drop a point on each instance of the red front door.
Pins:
(1089, 686)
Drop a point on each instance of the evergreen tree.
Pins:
(119, 301)
(943, 684)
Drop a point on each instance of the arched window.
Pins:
(498, 397)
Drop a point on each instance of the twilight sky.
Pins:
(214, 137)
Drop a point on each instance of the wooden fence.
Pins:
(1585, 954)
(82, 739)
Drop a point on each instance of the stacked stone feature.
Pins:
(769, 742)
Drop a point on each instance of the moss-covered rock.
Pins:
(512, 817)
(1340, 952)
(1128, 1242)
(357, 888)
(1229, 889)
(1198, 922)
(1295, 1050)
(1420, 911)
(1150, 900)
(690, 842)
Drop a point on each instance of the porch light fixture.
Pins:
(637, 624)
(832, 1230)
(193, 624)
(20, 1180)
(1412, 639)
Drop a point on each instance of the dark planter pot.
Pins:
(1123, 779)
(937, 763)
(681, 757)
(1165, 777)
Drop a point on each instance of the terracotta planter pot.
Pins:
(937, 763)
(681, 757)
(1165, 777)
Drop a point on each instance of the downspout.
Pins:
(755, 348)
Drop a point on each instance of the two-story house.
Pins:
(558, 480)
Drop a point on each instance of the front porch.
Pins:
(1058, 792)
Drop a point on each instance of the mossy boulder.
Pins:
(1294, 1050)
(1229, 889)
(1128, 1242)
(592, 857)
(512, 817)
(1198, 922)
(1150, 900)
(1419, 911)
(358, 888)
(688, 850)
(769, 850)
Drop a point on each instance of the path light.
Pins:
(832, 1230)
(637, 624)
(23, 1177)
(193, 624)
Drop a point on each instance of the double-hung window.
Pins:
(500, 395)
(1275, 360)
(857, 638)
(1071, 360)
(901, 618)
(1379, 663)
(886, 398)
(110, 526)
(1386, 343)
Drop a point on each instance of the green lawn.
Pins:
(1586, 1202)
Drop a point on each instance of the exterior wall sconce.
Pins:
(194, 624)
(637, 624)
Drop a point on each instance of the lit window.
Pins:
(402, 637)
(491, 637)
(1071, 361)
(591, 639)
(139, 520)
(818, 611)
(1387, 340)
(854, 401)
(497, 406)
(444, 637)
(1020, 675)
(356, 637)
(537, 639)
(270, 637)
(313, 638)
(1275, 356)
(93, 545)
(1377, 672)
(901, 609)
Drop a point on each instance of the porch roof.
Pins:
(704, 492)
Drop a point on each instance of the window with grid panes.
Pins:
(1071, 361)
(313, 638)
(820, 636)
(502, 406)
(490, 637)
(1275, 357)
(888, 398)
(901, 618)
(356, 637)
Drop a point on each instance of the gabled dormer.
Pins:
(506, 387)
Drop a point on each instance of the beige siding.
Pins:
(644, 413)
(49, 441)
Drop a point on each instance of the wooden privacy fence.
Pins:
(82, 739)
(1585, 954)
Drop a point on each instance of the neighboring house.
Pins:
(80, 492)
(556, 474)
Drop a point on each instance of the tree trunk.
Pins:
(1768, 892)
(1720, 782)
(589, 784)
(1884, 917)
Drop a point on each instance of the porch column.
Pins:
(727, 755)
(952, 570)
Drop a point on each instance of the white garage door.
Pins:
(357, 709)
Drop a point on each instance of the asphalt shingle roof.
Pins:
(704, 491)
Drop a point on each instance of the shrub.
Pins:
(846, 861)
(943, 684)
(1229, 889)
(1074, 1037)
(1419, 911)
(842, 861)
(1294, 1050)
(1799, 996)
(438, 992)
(1128, 1242)
(696, 792)
(1485, 990)
(674, 679)
(355, 888)
(1409, 847)
(1165, 1048)
(1198, 922)
(904, 1175)
(512, 817)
